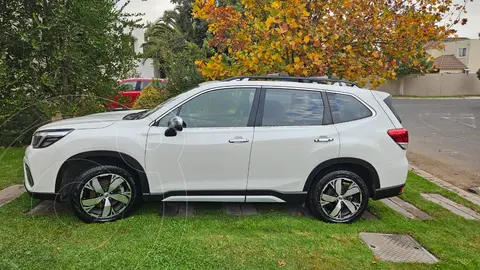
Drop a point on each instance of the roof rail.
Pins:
(318, 80)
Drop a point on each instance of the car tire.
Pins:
(325, 202)
(104, 193)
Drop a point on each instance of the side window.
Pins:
(144, 84)
(218, 108)
(164, 121)
(292, 108)
(346, 108)
(127, 86)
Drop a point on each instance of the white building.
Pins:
(145, 69)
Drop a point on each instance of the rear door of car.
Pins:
(363, 126)
(293, 134)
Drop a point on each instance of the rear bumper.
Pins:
(388, 192)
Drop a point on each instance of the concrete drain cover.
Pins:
(397, 248)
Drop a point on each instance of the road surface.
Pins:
(444, 137)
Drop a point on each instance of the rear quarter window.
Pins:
(389, 102)
(346, 108)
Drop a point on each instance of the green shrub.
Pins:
(182, 74)
(89, 105)
(72, 105)
(17, 126)
(150, 98)
(19, 119)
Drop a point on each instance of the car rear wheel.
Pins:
(103, 193)
(339, 197)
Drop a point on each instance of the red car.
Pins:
(130, 89)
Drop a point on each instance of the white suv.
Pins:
(247, 139)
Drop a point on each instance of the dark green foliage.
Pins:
(17, 128)
(174, 42)
(58, 54)
(408, 68)
(182, 74)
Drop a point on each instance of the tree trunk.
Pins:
(401, 86)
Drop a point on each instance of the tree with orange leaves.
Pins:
(356, 40)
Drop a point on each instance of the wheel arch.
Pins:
(101, 157)
(359, 166)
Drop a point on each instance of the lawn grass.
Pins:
(438, 97)
(11, 168)
(212, 239)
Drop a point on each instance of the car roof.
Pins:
(297, 85)
(141, 79)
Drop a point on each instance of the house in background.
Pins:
(450, 76)
(466, 50)
(449, 64)
(145, 68)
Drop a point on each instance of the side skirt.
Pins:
(228, 196)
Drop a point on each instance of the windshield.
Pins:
(170, 100)
(150, 112)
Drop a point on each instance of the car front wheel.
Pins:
(103, 193)
(339, 197)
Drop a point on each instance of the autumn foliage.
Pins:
(357, 40)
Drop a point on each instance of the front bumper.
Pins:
(29, 183)
(45, 196)
(40, 167)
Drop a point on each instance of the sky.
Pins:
(153, 9)
(472, 28)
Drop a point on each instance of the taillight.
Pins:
(400, 136)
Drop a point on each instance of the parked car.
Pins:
(247, 139)
(130, 90)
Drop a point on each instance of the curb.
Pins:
(462, 193)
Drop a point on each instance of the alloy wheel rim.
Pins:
(105, 196)
(341, 198)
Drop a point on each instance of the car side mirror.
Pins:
(174, 125)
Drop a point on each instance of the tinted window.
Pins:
(220, 108)
(144, 84)
(164, 121)
(389, 103)
(346, 108)
(292, 108)
(127, 86)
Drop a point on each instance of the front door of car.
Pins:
(209, 159)
(293, 134)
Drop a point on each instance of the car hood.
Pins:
(98, 120)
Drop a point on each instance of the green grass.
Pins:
(212, 239)
(11, 168)
(459, 96)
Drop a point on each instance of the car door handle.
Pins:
(323, 139)
(238, 140)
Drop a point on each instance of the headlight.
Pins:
(44, 138)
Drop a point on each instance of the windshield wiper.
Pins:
(134, 116)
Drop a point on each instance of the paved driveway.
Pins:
(444, 137)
